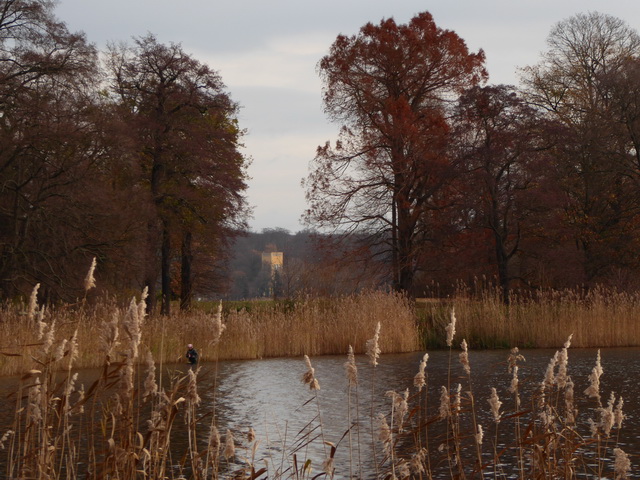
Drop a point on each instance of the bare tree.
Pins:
(568, 85)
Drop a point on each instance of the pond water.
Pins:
(268, 396)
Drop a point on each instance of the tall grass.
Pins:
(598, 317)
(124, 424)
(308, 326)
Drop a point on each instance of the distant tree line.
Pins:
(312, 267)
(438, 176)
(130, 155)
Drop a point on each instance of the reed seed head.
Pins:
(419, 381)
(214, 441)
(218, 326)
(5, 437)
(457, 400)
(451, 328)
(150, 385)
(417, 461)
(607, 418)
(35, 400)
(62, 347)
(73, 349)
(569, 402)
(400, 407)
(593, 390)
(495, 404)
(373, 348)
(464, 357)
(618, 414)
(229, 445)
(445, 408)
(513, 387)
(479, 435)
(549, 376)
(142, 306)
(563, 361)
(514, 358)
(89, 280)
(351, 368)
(308, 377)
(132, 325)
(33, 303)
(328, 466)
(622, 464)
(384, 432)
(192, 396)
(41, 325)
(109, 336)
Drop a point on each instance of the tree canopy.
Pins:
(389, 86)
(119, 161)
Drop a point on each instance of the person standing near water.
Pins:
(192, 355)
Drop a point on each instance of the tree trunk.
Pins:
(503, 269)
(151, 265)
(186, 286)
(166, 269)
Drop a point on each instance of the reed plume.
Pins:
(351, 367)
(451, 328)
(419, 380)
(218, 326)
(373, 347)
(89, 280)
(593, 390)
(622, 464)
(308, 377)
(229, 446)
(464, 357)
(33, 303)
(495, 404)
(150, 387)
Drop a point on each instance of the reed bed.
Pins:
(598, 317)
(123, 425)
(308, 326)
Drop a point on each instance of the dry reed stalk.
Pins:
(351, 370)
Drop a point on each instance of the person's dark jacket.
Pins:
(192, 356)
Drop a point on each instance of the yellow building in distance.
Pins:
(273, 261)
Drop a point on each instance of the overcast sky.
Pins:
(267, 50)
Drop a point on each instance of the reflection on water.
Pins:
(268, 396)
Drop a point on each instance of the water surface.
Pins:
(268, 396)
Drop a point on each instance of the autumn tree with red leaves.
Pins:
(389, 86)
